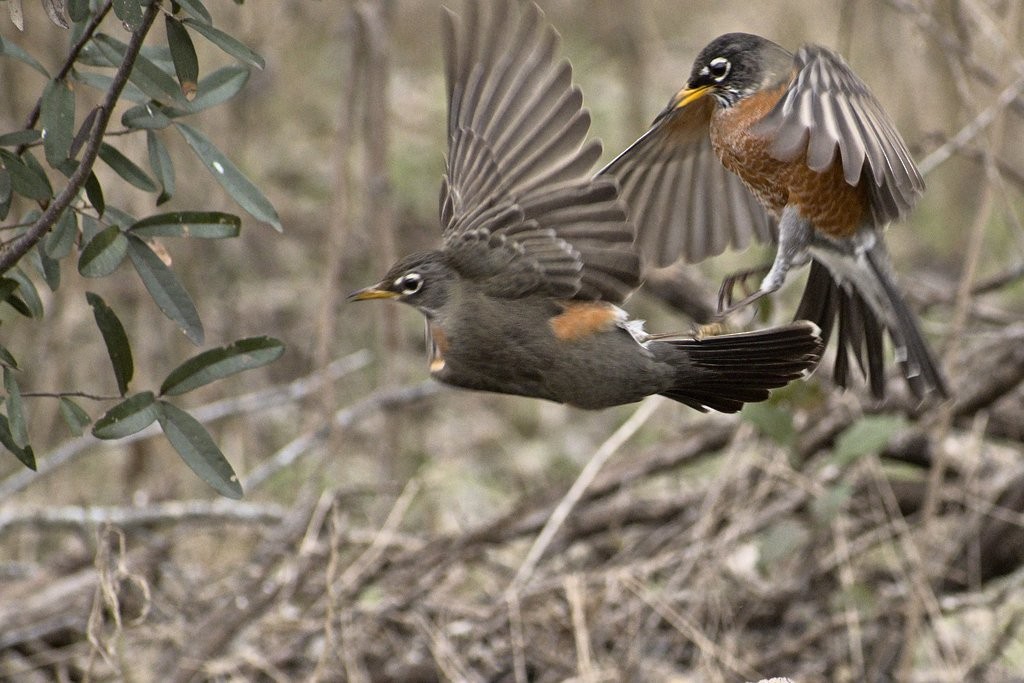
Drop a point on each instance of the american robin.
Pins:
(521, 298)
(747, 150)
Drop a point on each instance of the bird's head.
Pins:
(732, 67)
(422, 280)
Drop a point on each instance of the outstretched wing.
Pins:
(519, 212)
(828, 107)
(681, 198)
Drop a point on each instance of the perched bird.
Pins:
(521, 298)
(765, 145)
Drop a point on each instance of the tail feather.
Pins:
(724, 372)
(864, 300)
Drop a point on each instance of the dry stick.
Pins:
(575, 594)
(568, 502)
(21, 246)
(848, 581)
(517, 638)
(247, 403)
(688, 629)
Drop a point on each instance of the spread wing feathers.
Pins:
(517, 207)
(683, 201)
(828, 107)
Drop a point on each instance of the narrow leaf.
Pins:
(28, 292)
(149, 77)
(147, 116)
(166, 290)
(25, 180)
(20, 137)
(160, 163)
(227, 43)
(47, 266)
(57, 116)
(9, 49)
(130, 12)
(76, 418)
(202, 224)
(217, 88)
(197, 449)
(183, 52)
(94, 192)
(103, 253)
(83, 132)
(115, 339)
(126, 168)
(6, 193)
(22, 453)
(6, 359)
(78, 10)
(231, 179)
(209, 366)
(15, 409)
(196, 9)
(128, 417)
(101, 82)
(61, 239)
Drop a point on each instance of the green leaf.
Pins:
(94, 192)
(166, 290)
(130, 12)
(147, 116)
(20, 137)
(209, 366)
(149, 77)
(103, 253)
(198, 450)
(15, 409)
(57, 116)
(28, 292)
(115, 339)
(6, 193)
(196, 9)
(128, 417)
(76, 418)
(772, 421)
(78, 10)
(47, 267)
(201, 224)
(227, 43)
(231, 179)
(25, 179)
(102, 82)
(9, 49)
(22, 453)
(6, 359)
(61, 239)
(126, 168)
(218, 87)
(183, 53)
(866, 436)
(163, 167)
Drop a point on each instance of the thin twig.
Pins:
(21, 246)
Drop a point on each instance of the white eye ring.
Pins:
(719, 68)
(410, 283)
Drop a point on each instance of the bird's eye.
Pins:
(410, 283)
(718, 68)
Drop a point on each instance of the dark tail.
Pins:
(724, 372)
(865, 303)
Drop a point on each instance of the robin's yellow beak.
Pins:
(688, 95)
(373, 292)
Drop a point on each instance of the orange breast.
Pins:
(584, 318)
(833, 206)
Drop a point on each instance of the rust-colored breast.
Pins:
(833, 206)
(582, 319)
(438, 347)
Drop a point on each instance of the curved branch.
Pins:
(21, 246)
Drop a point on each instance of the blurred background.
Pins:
(343, 131)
